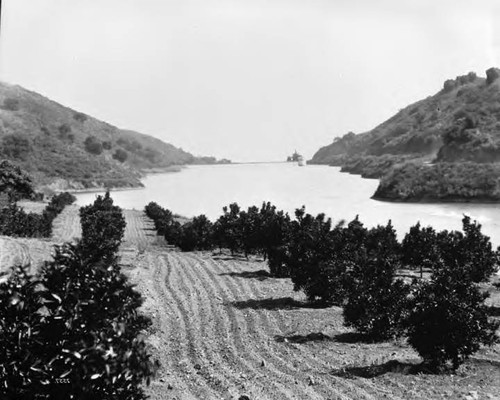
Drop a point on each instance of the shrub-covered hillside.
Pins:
(460, 122)
(58, 145)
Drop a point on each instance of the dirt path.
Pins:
(222, 328)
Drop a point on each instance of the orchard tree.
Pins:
(310, 255)
(15, 182)
(376, 302)
(420, 248)
(448, 321)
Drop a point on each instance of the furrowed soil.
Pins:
(222, 328)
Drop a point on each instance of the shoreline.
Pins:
(436, 201)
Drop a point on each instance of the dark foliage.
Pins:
(14, 181)
(441, 182)
(80, 117)
(448, 322)
(14, 221)
(196, 234)
(16, 146)
(93, 145)
(120, 155)
(10, 104)
(103, 226)
(74, 332)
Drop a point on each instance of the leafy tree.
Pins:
(311, 251)
(196, 234)
(227, 232)
(492, 74)
(10, 104)
(107, 145)
(80, 117)
(14, 181)
(93, 145)
(448, 321)
(420, 248)
(120, 155)
(376, 303)
(103, 227)
(16, 146)
(469, 254)
(74, 332)
(20, 326)
(274, 239)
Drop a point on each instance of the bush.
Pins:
(120, 155)
(448, 322)
(196, 235)
(74, 332)
(10, 104)
(93, 145)
(103, 227)
(311, 257)
(80, 117)
(469, 254)
(420, 248)
(376, 302)
(14, 181)
(16, 146)
(492, 74)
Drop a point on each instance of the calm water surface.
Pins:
(206, 189)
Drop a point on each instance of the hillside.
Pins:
(459, 123)
(67, 149)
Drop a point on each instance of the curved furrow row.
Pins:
(234, 340)
(178, 288)
(138, 231)
(257, 343)
(201, 307)
(319, 362)
(66, 226)
(216, 330)
(272, 324)
(174, 334)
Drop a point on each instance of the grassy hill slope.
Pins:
(460, 122)
(443, 148)
(71, 150)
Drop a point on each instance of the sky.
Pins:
(248, 80)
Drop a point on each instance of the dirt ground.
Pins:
(222, 328)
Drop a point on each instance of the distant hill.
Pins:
(459, 123)
(443, 148)
(67, 149)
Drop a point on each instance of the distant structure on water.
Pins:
(296, 157)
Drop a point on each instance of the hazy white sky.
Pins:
(244, 79)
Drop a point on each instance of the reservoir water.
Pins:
(206, 189)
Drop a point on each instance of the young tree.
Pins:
(448, 320)
(103, 227)
(420, 248)
(311, 252)
(376, 303)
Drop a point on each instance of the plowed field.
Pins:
(222, 328)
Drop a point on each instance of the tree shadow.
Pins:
(261, 274)
(494, 311)
(300, 339)
(372, 371)
(353, 337)
(282, 303)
